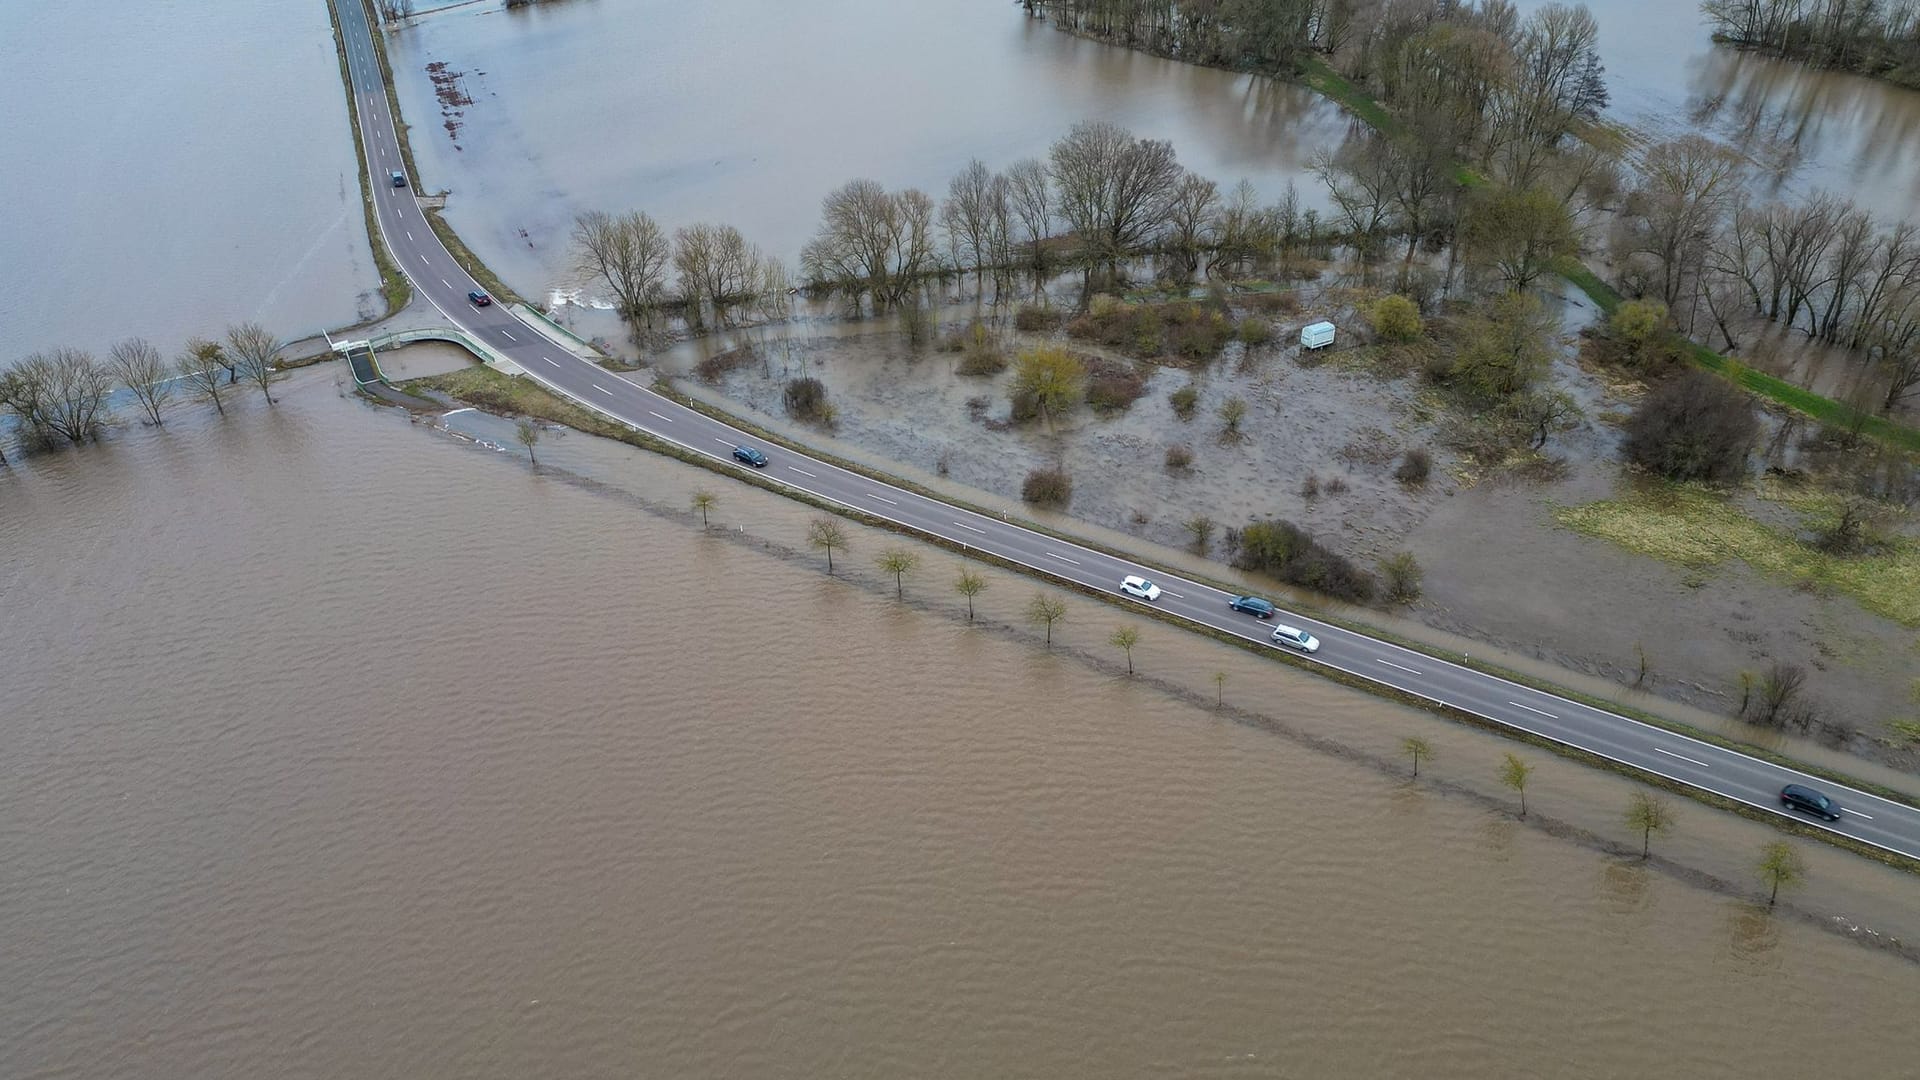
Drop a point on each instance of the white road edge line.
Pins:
(1682, 757)
(1531, 709)
(1391, 664)
(1062, 558)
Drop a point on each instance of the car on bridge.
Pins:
(1139, 588)
(750, 456)
(1296, 638)
(479, 298)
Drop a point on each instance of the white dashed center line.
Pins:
(1062, 558)
(551, 360)
(1531, 709)
(447, 283)
(1856, 813)
(510, 336)
(668, 419)
(602, 389)
(801, 471)
(1391, 664)
(1682, 757)
(889, 502)
(970, 528)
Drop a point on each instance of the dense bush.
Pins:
(1285, 551)
(1035, 319)
(806, 399)
(984, 354)
(1184, 401)
(1402, 576)
(1181, 331)
(715, 367)
(1179, 457)
(1395, 319)
(1694, 426)
(1112, 385)
(1047, 487)
(1414, 468)
(1255, 331)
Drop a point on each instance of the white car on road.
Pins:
(1139, 588)
(1294, 637)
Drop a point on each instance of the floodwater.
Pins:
(750, 111)
(172, 168)
(1802, 128)
(337, 747)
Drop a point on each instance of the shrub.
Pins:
(1283, 301)
(1395, 319)
(1179, 457)
(1287, 552)
(1636, 328)
(1113, 385)
(984, 354)
(1052, 379)
(1255, 332)
(714, 367)
(1200, 528)
(1335, 485)
(1694, 426)
(1402, 576)
(1414, 468)
(806, 399)
(1184, 401)
(1310, 487)
(1232, 412)
(1035, 319)
(1047, 487)
(1194, 333)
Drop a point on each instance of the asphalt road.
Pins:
(440, 278)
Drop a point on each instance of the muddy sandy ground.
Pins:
(1498, 568)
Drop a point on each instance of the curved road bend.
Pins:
(1867, 818)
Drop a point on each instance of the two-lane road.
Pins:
(1867, 818)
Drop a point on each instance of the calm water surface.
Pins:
(336, 748)
(169, 168)
(750, 111)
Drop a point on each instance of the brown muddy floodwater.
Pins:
(340, 748)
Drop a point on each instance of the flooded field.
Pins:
(170, 169)
(749, 111)
(343, 748)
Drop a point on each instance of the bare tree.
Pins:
(1772, 702)
(717, 268)
(898, 562)
(1032, 198)
(200, 372)
(969, 585)
(824, 534)
(630, 253)
(1514, 774)
(704, 501)
(1124, 638)
(1190, 218)
(1687, 186)
(872, 241)
(1417, 749)
(965, 216)
(58, 394)
(1650, 815)
(139, 367)
(256, 353)
(1045, 610)
(1115, 190)
(1360, 182)
(527, 434)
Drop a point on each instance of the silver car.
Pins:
(1296, 638)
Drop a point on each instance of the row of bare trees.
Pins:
(1874, 37)
(1689, 236)
(715, 268)
(61, 395)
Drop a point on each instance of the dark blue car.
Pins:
(1252, 605)
(751, 456)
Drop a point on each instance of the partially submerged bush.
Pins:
(1033, 319)
(1047, 487)
(1694, 426)
(1396, 319)
(984, 353)
(806, 399)
(1285, 551)
(1184, 401)
(1186, 330)
(715, 367)
(1414, 468)
(1113, 385)
(1255, 332)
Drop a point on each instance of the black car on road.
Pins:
(751, 456)
(1808, 801)
(479, 298)
(1252, 605)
